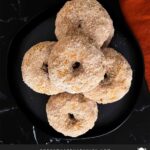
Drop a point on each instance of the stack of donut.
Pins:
(78, 70)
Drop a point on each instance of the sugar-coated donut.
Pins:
(117, 80)
(85, 16)
(35, 68)
(71, 114)
(76, 65)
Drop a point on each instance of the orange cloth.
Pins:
(137, 14)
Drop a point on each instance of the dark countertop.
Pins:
(15, 128)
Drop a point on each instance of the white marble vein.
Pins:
(13, 6)
(2, 95)
(2, 36)
(11, 19)
(68, 141)
(7, 20)
(50, 141)
(19, 7)
(34, 135)
(57, 140)
(8, 109)
(16, 6)
(19, 3)
(132, 136)
(143, 108)
(1, 142)
(22, 130)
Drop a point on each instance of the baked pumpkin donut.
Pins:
(71, 115)
(117, 80)
(35, 68)
(85, 16)
(75, 64)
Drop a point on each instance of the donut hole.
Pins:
(106, 79)
(105, 76)
(105, 44)
(80, 24)
(71, 116)
(77, 68)
(72, 120)
(76, 65)
(45, 67)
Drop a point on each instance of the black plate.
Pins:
(42, 28)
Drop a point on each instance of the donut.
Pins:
(117, 80)
(35, 68)
(85, 16)
(75, 65)
(71, 114)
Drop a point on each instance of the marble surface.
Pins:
(15, 128)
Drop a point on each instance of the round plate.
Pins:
(33, 104)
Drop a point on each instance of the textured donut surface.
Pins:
(117, 80)
(76, 65)
(85, 16)
(71, 114)
(35, 68)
